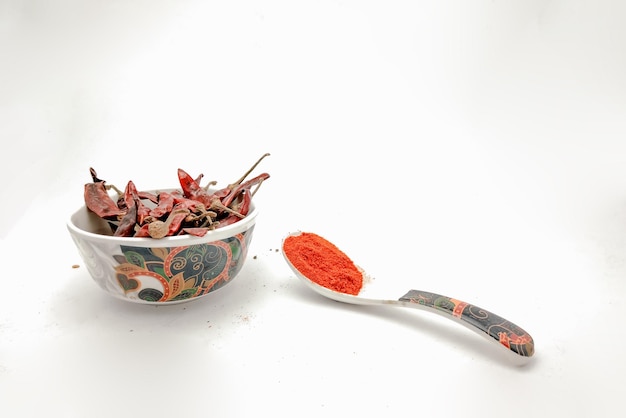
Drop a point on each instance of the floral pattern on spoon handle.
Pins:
(505, 332)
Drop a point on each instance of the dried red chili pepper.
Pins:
(165, 204)
(143, 232)
(192, 210)
(192, 189)
(160, 229)
(148, 196)
(229, 220)
(256, 181)
(131, 196)
(97, 199)
(192, 205)
(198, 232)
(127, 223)
(243, 205)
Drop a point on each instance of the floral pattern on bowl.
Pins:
(179, 273)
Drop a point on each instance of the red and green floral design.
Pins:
(180, 273)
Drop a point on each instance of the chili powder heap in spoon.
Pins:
(323, 263)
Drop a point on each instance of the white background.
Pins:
(475, 149)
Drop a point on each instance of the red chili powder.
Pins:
(323, 263)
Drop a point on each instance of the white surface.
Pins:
(474, 149)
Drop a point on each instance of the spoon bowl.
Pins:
(518, 345)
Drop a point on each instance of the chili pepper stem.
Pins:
(253, 192)
(159, 229)
(249, 171)
(211, 183)
(216, 204)
(206, 214)
(112, 186)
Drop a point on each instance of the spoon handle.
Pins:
(481, 320)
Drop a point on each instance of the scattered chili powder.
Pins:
(323, 263)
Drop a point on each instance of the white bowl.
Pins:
(161, 271)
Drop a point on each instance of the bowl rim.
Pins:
(171, 241)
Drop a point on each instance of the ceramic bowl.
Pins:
(161, 271)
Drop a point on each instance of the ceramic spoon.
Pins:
(517, 342)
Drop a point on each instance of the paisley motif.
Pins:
(178, 273)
